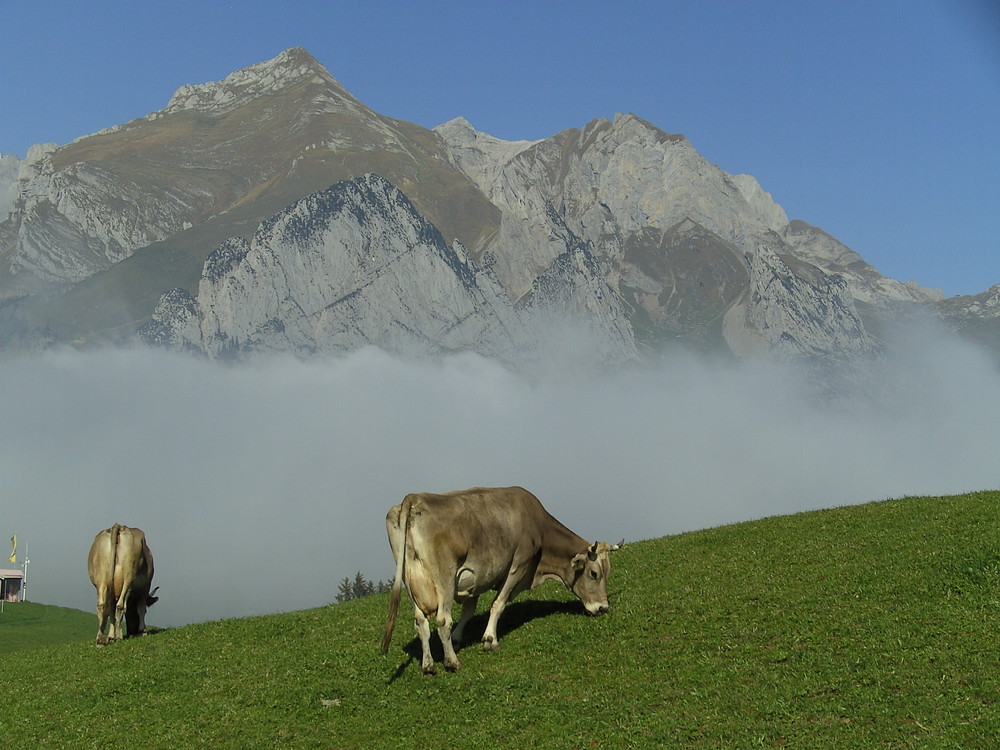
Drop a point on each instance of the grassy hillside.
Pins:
(30, 625)
(870, 626)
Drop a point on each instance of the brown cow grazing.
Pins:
(121, 568)
(460, 544)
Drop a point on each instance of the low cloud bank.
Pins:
(261, 486)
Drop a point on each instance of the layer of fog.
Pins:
(261, 486)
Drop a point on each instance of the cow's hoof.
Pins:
(430, 671)
(491, 645)
(453, 666)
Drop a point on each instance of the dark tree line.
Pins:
(360, 587)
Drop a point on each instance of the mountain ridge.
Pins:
(618, 220)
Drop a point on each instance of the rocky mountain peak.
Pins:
(478, 154)
(292, 67)
(628, 122)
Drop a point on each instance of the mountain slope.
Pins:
(619, 225)
(855, 627)
(29, 625)
(214, 163)
(976, 316)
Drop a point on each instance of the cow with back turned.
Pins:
(121, 568)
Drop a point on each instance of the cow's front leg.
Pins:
(491, 642)
(142, 618)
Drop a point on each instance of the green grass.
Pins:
(30, 625)
(861, 627)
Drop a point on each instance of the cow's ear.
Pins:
(579, 561)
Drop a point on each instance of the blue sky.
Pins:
(877, 121)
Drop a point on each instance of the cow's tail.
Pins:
(397, 585)
(111, 597)
(115, 532)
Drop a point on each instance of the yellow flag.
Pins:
(13, 549)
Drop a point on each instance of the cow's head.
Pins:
(135, 611)
(590, 576)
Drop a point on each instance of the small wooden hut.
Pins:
(10, 585)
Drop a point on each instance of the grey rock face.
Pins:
(9, 168)
(175, 324)
(619, 236)
(794, 313)
(680, 236)
(357, 265)
(866, 285)
(605, 183)
(984, 306)
(70, 223)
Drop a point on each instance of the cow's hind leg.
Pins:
(103, 615)
(426, 602)
(118, 624)
(444, 623)
(423, 627)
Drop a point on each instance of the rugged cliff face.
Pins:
(694, 252)
(356, 265)
(975, 316)
(9, 168)
(428, 241)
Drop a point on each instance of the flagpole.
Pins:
(24, 580)
(3, 582)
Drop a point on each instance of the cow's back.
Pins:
(482, 529)
(469, 516)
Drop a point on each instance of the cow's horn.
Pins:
(592, 552)
(617, 546)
